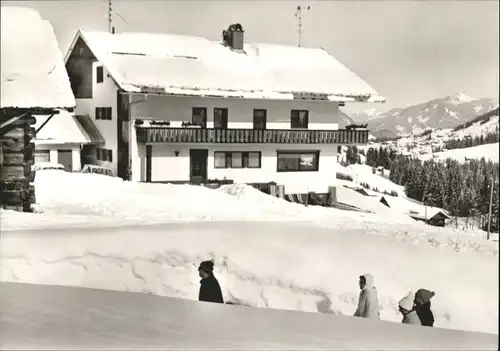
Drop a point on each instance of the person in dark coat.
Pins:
(423, 307)
(209, 286)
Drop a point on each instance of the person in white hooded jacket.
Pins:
(368, 306)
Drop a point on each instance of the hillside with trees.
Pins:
(482, 118)
(461, 188)
(488, 138)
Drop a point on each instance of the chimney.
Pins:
(233, 36)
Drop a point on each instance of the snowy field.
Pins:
(36, 316)
(268, 253)
(488, 151)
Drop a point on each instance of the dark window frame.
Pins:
(255, 116)
(105, 155)
(316, 154)
(99, 74)
(245, 156)
(225, 117)
(204, 109)
(295, 119)
(104, 113)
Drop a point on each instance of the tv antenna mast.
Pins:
(110, 20)
(298, 15)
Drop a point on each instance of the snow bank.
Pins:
(275, 265)
(141, 321)
(93, 200)
(33, 72)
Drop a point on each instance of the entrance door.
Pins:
(198, 159)
(65, 158)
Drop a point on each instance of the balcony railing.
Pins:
(248, 136)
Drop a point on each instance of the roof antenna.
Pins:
(298, 15)
(110, 20)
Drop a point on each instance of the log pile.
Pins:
(17, 191)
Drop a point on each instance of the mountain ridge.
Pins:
(439, 113)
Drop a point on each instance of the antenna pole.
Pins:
(298, 15)
(110, 20)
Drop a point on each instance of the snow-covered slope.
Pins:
(47, 317)
(447, 112)
(488, 151)
(268, 252)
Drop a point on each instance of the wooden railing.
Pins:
(247, 136)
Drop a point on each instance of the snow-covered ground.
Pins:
(488, 151)
(46, 317)
(477, 129)
(268, 253)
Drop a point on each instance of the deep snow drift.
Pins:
(310, 263)
(38, 316)
(33, 72)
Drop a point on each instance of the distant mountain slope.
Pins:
(482, 118)
(448, 112)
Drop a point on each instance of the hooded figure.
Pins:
(406, 308)
(423, 307)
(368, 299)
(209, 286)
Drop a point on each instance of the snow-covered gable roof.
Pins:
(33, 73)
(62, 128)
(413, 209)
(188, 65)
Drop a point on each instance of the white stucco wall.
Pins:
(165, 166)
(322, 114)
(104, 95)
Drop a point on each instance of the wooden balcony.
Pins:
(249, 136)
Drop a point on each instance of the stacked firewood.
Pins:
(17, 191)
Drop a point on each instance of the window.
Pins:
(199, 116)
(220, 118)
(298, 161)
(103, 113)
(259, 119)
(299, 119)
(100, 74)
(226, 159)
(104, 155)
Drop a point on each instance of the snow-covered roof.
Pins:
(63, 128)
(413, 209)
(189, 65)
(33, 73)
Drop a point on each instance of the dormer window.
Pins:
(100, 74)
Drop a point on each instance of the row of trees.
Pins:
(381, 157)
(488, 138)
(374, 157)
(461, 188)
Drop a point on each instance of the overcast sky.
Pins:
(409, 51)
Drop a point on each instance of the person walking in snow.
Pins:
(368, 306)
(406, 308)
(422, 303)
(209, 286)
